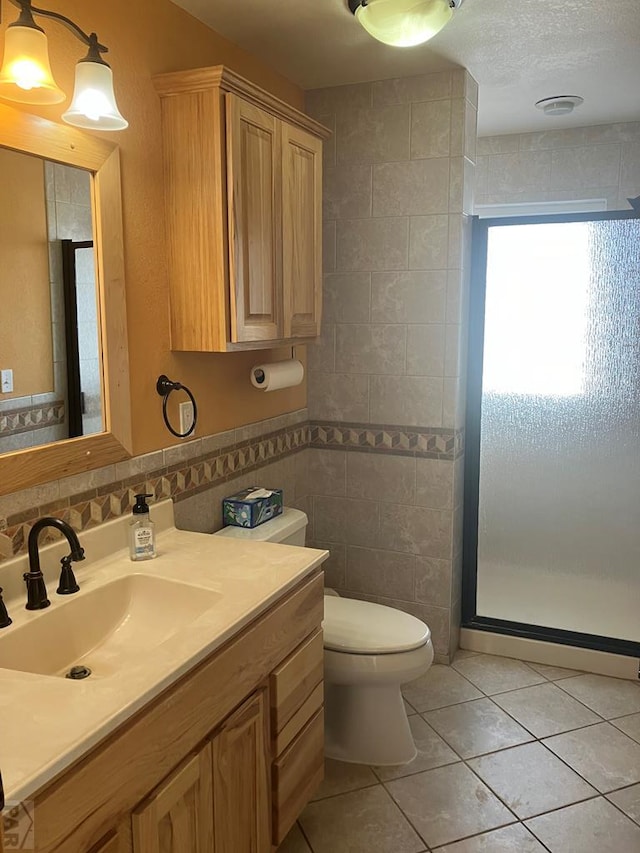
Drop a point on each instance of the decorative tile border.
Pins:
(386, 438)
(181, 471)
(28, 418)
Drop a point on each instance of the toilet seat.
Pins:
(363, 628)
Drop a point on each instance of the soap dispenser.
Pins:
(142, 536)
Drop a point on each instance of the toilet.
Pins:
(370, 650)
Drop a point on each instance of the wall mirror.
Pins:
(63, 322)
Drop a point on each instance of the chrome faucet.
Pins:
(36, 589)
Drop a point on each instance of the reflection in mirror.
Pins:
(49, 323)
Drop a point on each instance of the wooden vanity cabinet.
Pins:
(243, 190)
(222, 762)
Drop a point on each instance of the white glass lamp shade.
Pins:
(93, 106)
(26, 74)
(404, 23)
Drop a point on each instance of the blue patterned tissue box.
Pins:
(251, 507)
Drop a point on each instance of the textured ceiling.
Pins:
(519, 51)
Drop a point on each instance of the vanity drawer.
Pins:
(296, 691)
(296, 776)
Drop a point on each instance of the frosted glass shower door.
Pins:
(558, 542)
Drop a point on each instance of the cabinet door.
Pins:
(178, 815)
(301, 232)
(241, 781)
(254, 222)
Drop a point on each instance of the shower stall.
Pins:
(552, 482)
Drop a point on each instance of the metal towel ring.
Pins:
(164, 387)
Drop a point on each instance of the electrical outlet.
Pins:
(6, 381)
(186, 416)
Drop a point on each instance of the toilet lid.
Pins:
(360, 627)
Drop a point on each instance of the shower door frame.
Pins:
(477, 299)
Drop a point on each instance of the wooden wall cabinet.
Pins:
(222, 762)
(243, 189)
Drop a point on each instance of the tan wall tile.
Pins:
(433, 581)
(406, 90)
(351, 522)
(428, 242)
(406, 400)
(590, 165)
(321, 472)
(414, 188)
(426, 350)
(630, 172)
(371, 348)
(382, 478)
(378, 572)
(319, 102)
(432, 126)
(373, 244)
(347, 297)
(338, 397)
(409, 297)
(417, 530)
(328, 246)
(434, 483)
(380, 135)
(321, 354)
(346, 192)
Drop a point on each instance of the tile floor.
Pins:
(512, 758)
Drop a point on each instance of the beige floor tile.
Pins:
(294, 842)
(553, 673)
(509, 839)
(448, 804)
(359, 822)
(440, 686)
(546, 710)
(409, 708)
(629, 725)
(340, 777)
(462, 654)
(609, 697)
(628, 799)
(531, 780)
(602, 754)
(495, 674)
(477, 727)
(592, 827)
(432, 752)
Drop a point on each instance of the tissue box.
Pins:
(251, 507)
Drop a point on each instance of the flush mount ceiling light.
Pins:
(559, 105)
(403, 23)
(26, 75)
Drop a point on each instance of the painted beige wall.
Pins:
(146, 38)
(25, 303)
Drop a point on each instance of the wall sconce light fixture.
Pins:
(26, 75)
(403, 23)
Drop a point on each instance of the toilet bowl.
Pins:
(369, 651)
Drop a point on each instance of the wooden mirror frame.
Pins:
(30, 134)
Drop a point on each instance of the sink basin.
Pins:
(105, 629)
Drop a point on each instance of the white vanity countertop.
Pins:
(49, 722)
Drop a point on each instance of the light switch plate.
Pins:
(6, 381)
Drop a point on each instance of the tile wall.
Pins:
(398, 191)
(598, 162)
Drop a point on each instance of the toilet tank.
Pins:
(289, 528)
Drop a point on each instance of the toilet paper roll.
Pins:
(279, 374)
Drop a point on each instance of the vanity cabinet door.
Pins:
(241, 780)
(178, 817)
(253, 145)
(301, 232)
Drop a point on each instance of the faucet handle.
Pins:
(68, 583)
(36, 591)
(5, 619)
